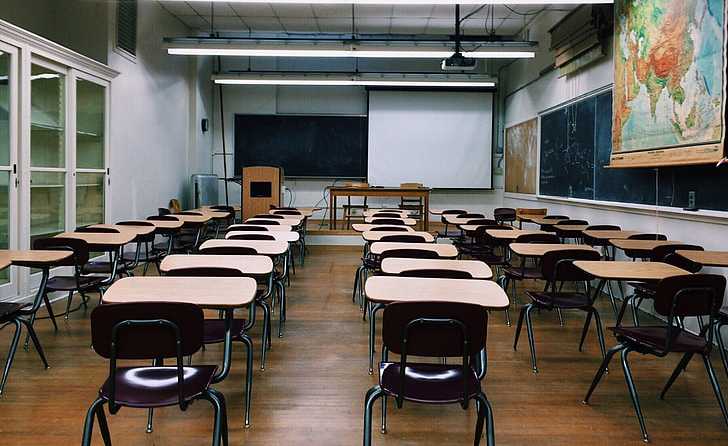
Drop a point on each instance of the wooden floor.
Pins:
(313, 389)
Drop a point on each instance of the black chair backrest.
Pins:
(141, 238)
(675, 259)
(454, 212)
(439, 339)
(437, 273)
(247, 228)
(260, 221)
(273, 216)
(100, 230)
(483, 221)
(163, 211)
(404, 238)
(162, 218)
(135, 223)
(387, 215)
(410, 253)
(574, 222)
(388, 221)
(482, 235)
(283, 208)
(687, 296)
(660, 252)
(287, 212)
(467, 215)
(538, 238)
(557, 265)
(603, 228)
(149, 341)
(199, 214)
(205, 272)
(77, 246)
(390, 228)
(229, 250)
(504, 214)
(251, 237)
(647, 237)
(555, 217)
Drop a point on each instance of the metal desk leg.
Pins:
(227, 355)
(45, 273)
(372, 333)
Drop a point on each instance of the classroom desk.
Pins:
(571, 229)
(285, 236)
(540, 249)
(134, 229)
(102, 241)
(288, 221)
(217, 293)
(364, 227)
(511, 234)
(441, 249)
(643, 248)
(45, 260)
(545, 221)
(453, 219)
(606, 235)
(214, 214)
(401, 212)
(283, 228)
(257, 265)
(476, 268)
(163, 224)
(627, 271)
(302, 213)
(406, 221)
(718, 259)
(416, 192)
(383, 290)
(264, 247)
(375, 236)
(192, 219)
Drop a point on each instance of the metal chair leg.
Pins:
(519, 324)
(384, 415)
(372, 395)
(68, 303)
(716, 387)
(531, 341)
(88, 425)
(675, 373)
(248, 377)
(103, 425)
(560, 316)
(633, 394)
(721, 347)
(11, 355)
(600, 333)
(600, 372)
(485, 414)
(357, 280)
(585, 330)
(266, 333)
(36, 341)
(49, 309)
(214, 398)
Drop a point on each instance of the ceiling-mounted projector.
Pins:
(458, 62)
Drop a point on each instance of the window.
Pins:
(90, 145)
(126, 26)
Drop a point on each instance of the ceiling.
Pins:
(337, 18)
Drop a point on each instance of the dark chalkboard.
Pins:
(303, 145)
(576, 142)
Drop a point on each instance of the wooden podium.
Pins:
(262, 187)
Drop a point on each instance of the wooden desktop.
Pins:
(370, 191)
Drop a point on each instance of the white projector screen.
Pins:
(440, 139)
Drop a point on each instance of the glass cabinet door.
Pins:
(90, 151)
(8, 114)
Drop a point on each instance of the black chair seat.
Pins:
(215, 330)
(643, 288)
(9, 309)
(491, 258)
(654, 337)
(564, 300)
(103, 267)
(371, 263)
(517, 273)
(68, 283)
(157, 386)
(428, 383)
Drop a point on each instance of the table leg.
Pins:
(332, 210)
(426, 212)
(372, 333)
(228, 349)
(37, 301)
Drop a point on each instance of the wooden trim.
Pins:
(678, 156)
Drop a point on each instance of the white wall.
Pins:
(151, 120)
(319, 100)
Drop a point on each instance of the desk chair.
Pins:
(432, 330)
(388, 221)
(246, 227)
(214, 329)
(436, 273)
(349, 208)
(78, 282)
(635, 254)
(164, 249)
(695, 295)
(504, 215)
(556, 218)
(558, 269)
(444, 214)
(404, 238)
(260, 221)
(269, 216)
(565, 234)
(664, 253)
(105, 266)
(151, 331)
(191, 235)
(390, 228)
(462, 241)
(131, 260)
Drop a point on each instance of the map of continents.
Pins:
(668, 73)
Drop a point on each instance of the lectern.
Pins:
(262, 187)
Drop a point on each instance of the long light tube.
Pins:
(207, 50)
(351, 81)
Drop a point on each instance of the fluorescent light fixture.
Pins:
(368, 80)
(413, 2)
(310, 51)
